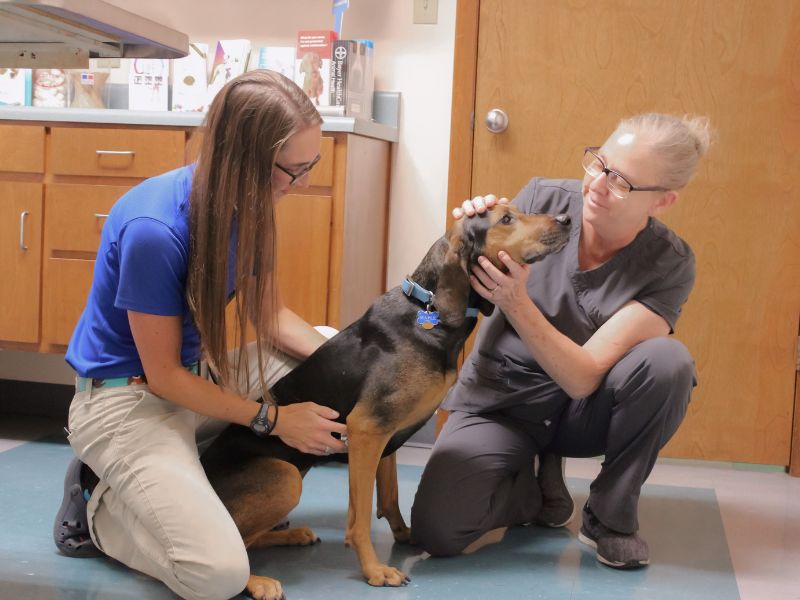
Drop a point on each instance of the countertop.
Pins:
(114, 116)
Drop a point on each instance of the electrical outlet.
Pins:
(426, 12)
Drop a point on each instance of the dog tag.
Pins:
(427, 319)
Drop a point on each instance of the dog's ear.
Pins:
(468, 238)
(486, 307)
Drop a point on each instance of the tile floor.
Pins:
(716, 531)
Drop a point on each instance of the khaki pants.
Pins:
(154, 510)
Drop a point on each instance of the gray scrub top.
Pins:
(657, 269)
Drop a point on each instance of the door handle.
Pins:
(22, 216)
(496, 120)
(115, 152)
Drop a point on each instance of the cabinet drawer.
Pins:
(115, 152)
(22, 148)
(321, 175)
(75, 215)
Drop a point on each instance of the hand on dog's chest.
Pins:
(427, 319)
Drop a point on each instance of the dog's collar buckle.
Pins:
(414, 290)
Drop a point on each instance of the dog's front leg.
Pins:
(388, 503)
(365, 447)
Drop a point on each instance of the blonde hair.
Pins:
(247, 124)
(677, 142)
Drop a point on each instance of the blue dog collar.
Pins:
(414, 290)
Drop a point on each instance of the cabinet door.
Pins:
(303, 245)
(20, 260)
(64, 295)
(304, 235)
(75, 215)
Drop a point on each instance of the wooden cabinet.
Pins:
(64, 178)
(115, 152)
(22, 148)
(303, 244)
(75, 217)
(20, 260)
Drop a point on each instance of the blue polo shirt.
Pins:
(141, 266)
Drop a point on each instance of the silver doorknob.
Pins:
(496, 120)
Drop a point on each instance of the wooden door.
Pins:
(566, 72)
(20, 260)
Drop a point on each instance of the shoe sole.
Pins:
(71, 490)
(615, 564)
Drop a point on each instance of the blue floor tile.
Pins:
(688, 548)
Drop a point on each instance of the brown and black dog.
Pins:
(385, 375)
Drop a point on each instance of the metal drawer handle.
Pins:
(23, 215)
(116, 152)
(100, 216)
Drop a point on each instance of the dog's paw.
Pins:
(402, 535)
(301, 536)
(265, 588)
(384, 575)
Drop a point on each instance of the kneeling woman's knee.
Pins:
(432, 526)
(222, 573)
(668, 361)
(434, 538)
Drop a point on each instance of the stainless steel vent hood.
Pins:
(67, 33)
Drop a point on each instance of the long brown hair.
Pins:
(248, 123)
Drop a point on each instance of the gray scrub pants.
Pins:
(480, 474)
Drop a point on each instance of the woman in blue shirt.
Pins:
(174, 249)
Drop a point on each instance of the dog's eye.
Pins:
(507, 219)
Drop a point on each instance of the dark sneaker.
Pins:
(71, 530)
(558, 507)
(618, 550)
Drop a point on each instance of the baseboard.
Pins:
(35, 398)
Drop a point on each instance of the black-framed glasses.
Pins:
(295, 175)
(617, 184)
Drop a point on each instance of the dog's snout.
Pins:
(563, 220)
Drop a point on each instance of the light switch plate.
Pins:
(426, 12)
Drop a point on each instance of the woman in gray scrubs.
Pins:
(577, 359)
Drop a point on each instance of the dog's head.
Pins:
(526, 238)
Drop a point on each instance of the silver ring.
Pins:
(326, 451)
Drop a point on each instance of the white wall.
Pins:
(416, 60)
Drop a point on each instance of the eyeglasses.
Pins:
(295, 175)
(617, 184)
